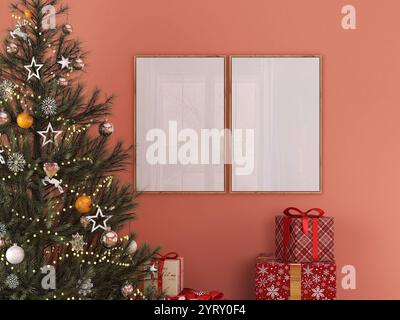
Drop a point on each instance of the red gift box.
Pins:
(190, 294)
(304, 236)
(283, 281)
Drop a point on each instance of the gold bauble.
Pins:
(28, 14)
(83, 204)
(25, 120)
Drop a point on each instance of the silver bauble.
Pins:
(4, 118)
(79, 64)
(106, 129)
(67, 29)
(12, 48)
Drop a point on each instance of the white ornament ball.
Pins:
(132, 247)
(15, 254)
(109, 238)
(127, 290)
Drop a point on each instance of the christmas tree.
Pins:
(61, 204)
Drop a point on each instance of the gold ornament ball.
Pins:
(67, 29)
(25, 120)
(12, 48)
(4, 118)
(79, 64)
(28, 14)
(83, 204)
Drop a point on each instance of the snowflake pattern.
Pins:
(85, 287)
(307, 283)
(278, 287)
(262, 282)
(49, 106)
(262, 270)
(77, 242)
(316, 278)
(3, 230)
(318, 293)
(272, 292)
(16, 162)
(271, 277)
(308, 270)
(12, 281)
(6, 89)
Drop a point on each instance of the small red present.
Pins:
(284, 281)
(190, 294)
(304, 236)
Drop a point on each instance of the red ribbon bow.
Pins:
(190, 294)
(314, 214)
(160, 260)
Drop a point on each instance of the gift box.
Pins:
(304, 236)
(190, 294)
(284, 281)
(166, 274)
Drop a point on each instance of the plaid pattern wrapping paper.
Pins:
(308, 238)
(283, 281)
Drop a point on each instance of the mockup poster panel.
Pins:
(180, 105)
(278, 100)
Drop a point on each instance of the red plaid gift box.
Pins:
(304, 236)
(284, 281)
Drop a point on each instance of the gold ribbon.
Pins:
(295, 282)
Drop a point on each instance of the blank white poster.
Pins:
(279, 99)
(177, 100)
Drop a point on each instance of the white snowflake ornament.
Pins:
(16, 162)
(49, 106)
(12, 281)
(3, 230)
(6, 89)
(85, 287)
(77, 242)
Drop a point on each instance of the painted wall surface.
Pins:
(221, 235)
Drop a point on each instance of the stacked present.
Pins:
(166, 274)
(304, 267)
(166, 278)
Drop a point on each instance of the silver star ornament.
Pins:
(99, 215)
(64, 62)
(54, 135)
(36, 68)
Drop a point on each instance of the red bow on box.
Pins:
(160, 260)
(190, 294)
(314, 214)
